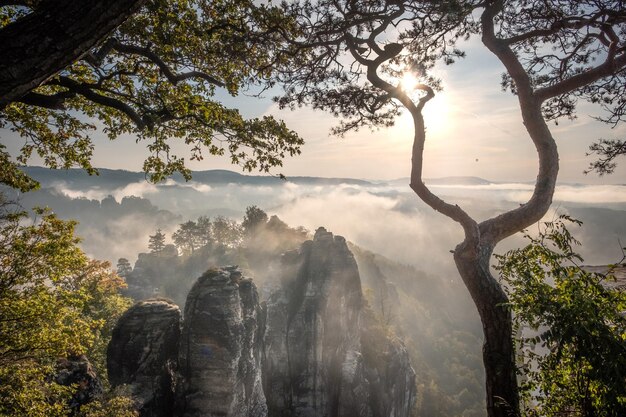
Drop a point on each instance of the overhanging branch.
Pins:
(167, 71)
(86, 91)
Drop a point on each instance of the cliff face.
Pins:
(313, 350)
(219, 358)
(316, 364)
(143, 355)
(151, 272)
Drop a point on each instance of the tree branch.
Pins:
(53, 102)
(454, 212)
(608, 151)
(25, 3)
(86, 91)
(609, 67)
(167, 71)
(495, 229)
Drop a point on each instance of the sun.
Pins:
(437, 114)
(408, 82)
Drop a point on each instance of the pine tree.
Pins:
(157, 242)
(123, 267)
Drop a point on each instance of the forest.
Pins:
(185, 290)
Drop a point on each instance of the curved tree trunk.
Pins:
(56, 34)
(499, 345)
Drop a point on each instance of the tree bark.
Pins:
(499, 346)
(55, 35)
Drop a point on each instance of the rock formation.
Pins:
(314, 350)
(151, 272)
(219, 357)
(143, 354)
(77, 371)
(315, 363)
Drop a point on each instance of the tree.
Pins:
(226, 232)
(54, 303)
(71, 29)
(578, 325)
(123, 267)
(156, 242)
(203, 234)
(185, 238)
(554, 53)
(149, 68)
(253, 219)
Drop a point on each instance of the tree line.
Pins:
(193, 235)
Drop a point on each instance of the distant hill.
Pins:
(445, 181)
(457, 181)
(109, 178)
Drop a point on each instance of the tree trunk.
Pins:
(499, 347)
(55, 35)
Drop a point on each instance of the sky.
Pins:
(473, 129)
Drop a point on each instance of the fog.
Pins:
(382, 216)
(401, 243)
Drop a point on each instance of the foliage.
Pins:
(253, 219)
(156, 242)
(123, 267)
(576, 363)
(54, 302)
(203, 233)
(116, 404)
(155, 78)
(185, 238)
(226, 232)
(608, 151)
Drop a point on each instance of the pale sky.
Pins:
(473, 129)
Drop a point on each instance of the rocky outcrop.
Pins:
(315, 363)
(143, 354)
(151, 272)
(388, 370)
(220, 348)
(314, 350)
(78, 371)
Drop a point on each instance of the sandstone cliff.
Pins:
(143, 354)
(219, 358)
(314, 350)
(317, 362)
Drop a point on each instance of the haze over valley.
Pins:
(382, 216)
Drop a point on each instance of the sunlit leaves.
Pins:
(155, 79)
(572, 328)
(54, 302)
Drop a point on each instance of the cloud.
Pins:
(385, 218)
(589, 194)
(371, 221)
(137, 189)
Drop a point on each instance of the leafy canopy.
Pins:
(54, 303)
(155, 78)
(576, 360)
